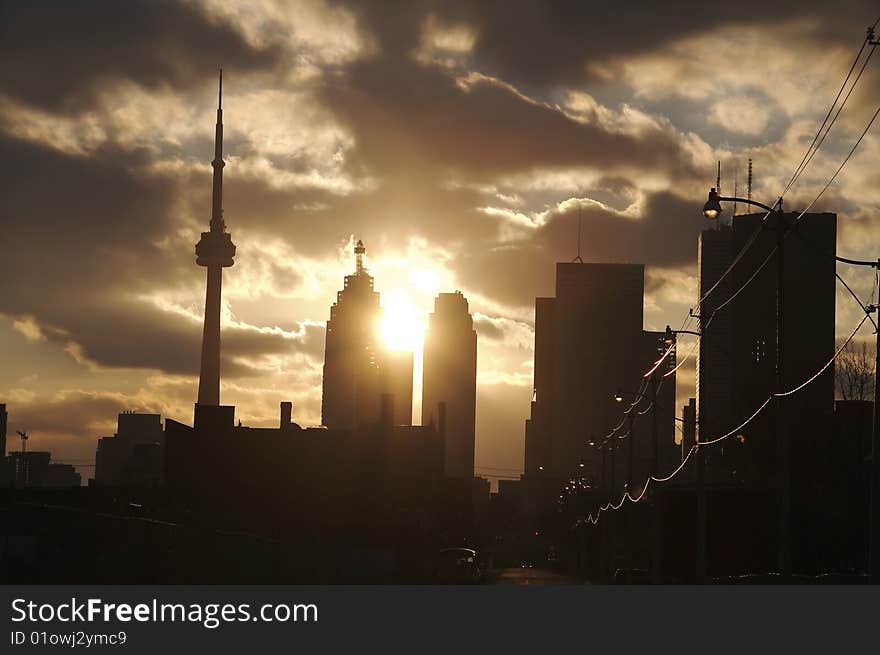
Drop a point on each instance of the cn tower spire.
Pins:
(214, 251)
(217, 224)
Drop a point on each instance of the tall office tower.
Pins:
(3, 420)
(214, 251)
(737, 355)
(450, 377)
(358, 370)
(589, 344)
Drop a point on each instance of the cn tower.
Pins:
(214, 251)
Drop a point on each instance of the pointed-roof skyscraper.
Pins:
(358, 369)
(214, 251)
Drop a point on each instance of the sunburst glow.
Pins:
(403, 325)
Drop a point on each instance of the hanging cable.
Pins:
(594, 519)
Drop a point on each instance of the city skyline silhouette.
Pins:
(386, 182)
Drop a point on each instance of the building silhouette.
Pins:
(36, 470)
(737, 373)
(133, 457)
(4, 418)
(214, 251)
(450, 377)
(358, 369)
(737, 353)
(368, 481)
(590, 344)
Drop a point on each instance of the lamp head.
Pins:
(712, 208)
(618, 397)
(669, 339)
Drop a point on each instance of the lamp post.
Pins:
(630, 417)
(712, 210)
(606, 446)
(874, 504)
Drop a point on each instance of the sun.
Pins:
(402, 326)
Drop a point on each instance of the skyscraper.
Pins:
(737, 355)
(3, 420)
(358, 370)
(450, 377)
(590, 344)
(214, 251)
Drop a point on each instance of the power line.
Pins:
(594, 519)
(753, 237)
(808, 155)
(805, 161)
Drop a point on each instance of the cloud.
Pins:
(479, 127)
(463, 141)
(67, 54)
(742, 115)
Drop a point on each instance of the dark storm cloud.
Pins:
(664, 236)
(59, 55)
(80, 251)
(538, 43)
(416, 120)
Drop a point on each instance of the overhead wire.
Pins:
(593, 519)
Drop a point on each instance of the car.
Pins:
(638, 576)
(457, 565)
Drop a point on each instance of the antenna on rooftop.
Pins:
(735, 188)
(750, 179)
(578, 258)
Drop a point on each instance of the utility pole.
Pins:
(702, 516)
(611, 499)
(658, 542)
(629, 488)
(874, 527)
(784, 551)
(604, 528)
(712, 210)
(702, 511)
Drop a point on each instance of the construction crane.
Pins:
(24, 438)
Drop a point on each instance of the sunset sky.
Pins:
(459, 140)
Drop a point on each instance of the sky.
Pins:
(461, 140)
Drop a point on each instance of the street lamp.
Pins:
(712, 210)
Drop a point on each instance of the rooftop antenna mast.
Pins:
(359, 251)
(750, 180)
(735, 188)
(578, 258)
(718, 187)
